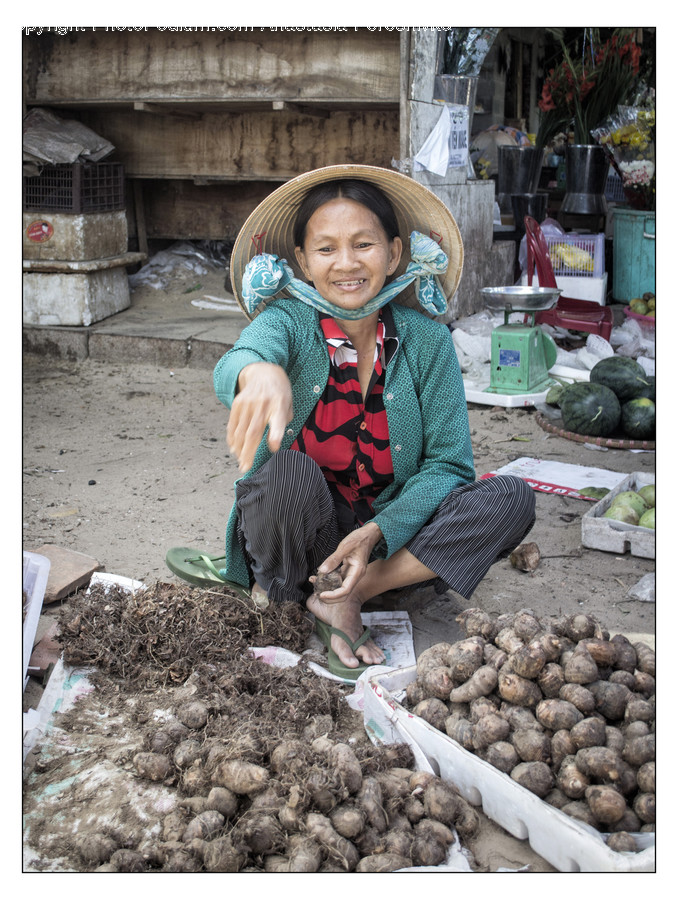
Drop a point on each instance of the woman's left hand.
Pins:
(351, 557)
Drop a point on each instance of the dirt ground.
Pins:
(122, 462)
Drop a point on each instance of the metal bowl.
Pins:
(520, 297)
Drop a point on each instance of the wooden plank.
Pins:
(271, 145)
(182, 210)
(68, 571)
(105, 65)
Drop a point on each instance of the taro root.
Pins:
(589, 732)
(638, 710)
(438, 682)
(432, 656)
(622, 842)
(186, 753)
(174, 825)
(479, 707)
(645, 808)
(327, 581)
(427, 851)
(556, 715)
(526, 625)
(371, 801)
(610, 699)
(502, 755)
(525, 557)
(517, 690)
(414, 809)
(240, 776)
(528, 661)
(347, 767)
(221, 855)
(580, 626)
(628, 822)
(621, 676)
(384, 862)
(204, 826)
(340, 851)
(464, 657)
(261, 833)
(128, 861)
(415, 692)
(482, 682)
(304, 854)
(535, 776)
(627, 657)
(460, 730)
(639, 750)
(519, 717)
(532, 745)
(489, 729)
(646, 658)
(476, 622)
(494, 656)
(614, 738)
(153, 766)
(289, 756)
(644, 683)
(556, 798)
(571, 780)
(551, 645)
(579, 809)
(433, 711)
(223, 800)
(606, 803)
(581, 667)
(95, 848)
(508, 641)
(600, 763)
(578, 696)
(604, 653)
(193, 714)
(646, 778)
(551, 679)
(561, 746)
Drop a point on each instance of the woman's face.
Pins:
(347, 254)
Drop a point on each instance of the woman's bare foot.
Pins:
(346, 617)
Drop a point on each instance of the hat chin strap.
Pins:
(266, 276)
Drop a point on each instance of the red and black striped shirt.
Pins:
(347, 437)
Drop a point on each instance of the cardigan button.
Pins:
(316, 389)
(397, 447)
(389, 396)
(290, 431)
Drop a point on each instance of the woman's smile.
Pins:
(347, 254)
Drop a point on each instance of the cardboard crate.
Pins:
(599, 533)
(566, 843)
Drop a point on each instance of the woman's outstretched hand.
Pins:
(264, 399)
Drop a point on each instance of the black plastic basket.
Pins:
(76, 188)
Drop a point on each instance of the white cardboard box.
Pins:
(599, 533)
(569, 845)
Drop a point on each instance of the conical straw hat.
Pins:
(269, 227)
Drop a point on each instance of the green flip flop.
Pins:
(335, 665)
(199, 569)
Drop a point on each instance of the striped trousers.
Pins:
(287, 526)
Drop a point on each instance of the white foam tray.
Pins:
(567, 844)
(580, 287)
(34, 582)
(599, 533)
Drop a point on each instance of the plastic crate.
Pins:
(76, 188)
(614, 188)
(35, 574)
(582, 255)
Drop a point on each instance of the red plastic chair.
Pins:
(576, 315)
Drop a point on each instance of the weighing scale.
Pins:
(521, 352)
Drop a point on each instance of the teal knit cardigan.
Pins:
(425, 406)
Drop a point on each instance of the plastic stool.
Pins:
(569, 313)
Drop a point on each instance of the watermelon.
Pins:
(623, 375)
(590, 409)
(638, 419)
